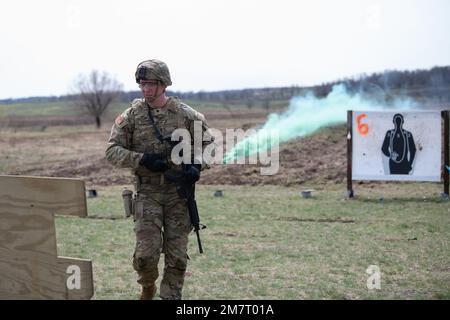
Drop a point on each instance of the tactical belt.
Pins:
(157, 180)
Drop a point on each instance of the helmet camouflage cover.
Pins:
(153, 70)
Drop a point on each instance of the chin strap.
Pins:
(156, 96)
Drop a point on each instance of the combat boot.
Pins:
(148, 292)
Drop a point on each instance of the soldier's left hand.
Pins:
(154, 162)
(192, 173)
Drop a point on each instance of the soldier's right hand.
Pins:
(154, 162)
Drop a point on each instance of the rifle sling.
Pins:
(155, 127)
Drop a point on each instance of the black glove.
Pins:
(154, 162)
(192, 173)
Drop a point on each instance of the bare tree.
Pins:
(96, 92)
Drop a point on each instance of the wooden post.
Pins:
(445, 117)
(349, 153)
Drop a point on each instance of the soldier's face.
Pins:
(151, 89)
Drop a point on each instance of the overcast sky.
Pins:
(216, 44)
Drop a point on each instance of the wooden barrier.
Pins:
(29, 265)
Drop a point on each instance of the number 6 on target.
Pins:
(363, 128)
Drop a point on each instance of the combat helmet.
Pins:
(153, 70)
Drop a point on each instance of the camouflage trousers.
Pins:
(162, 225)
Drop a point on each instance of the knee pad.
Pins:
(145, 263)
(176, 265)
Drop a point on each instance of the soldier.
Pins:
(161, 218)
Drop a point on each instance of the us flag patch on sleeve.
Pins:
(120, 121)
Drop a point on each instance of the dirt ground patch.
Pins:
(78, 152)
(319, 158)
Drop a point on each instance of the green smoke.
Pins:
(307, 114)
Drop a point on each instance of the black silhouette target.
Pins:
(399, 147)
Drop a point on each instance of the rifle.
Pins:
(186, 191)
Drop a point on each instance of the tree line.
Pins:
(427, 82)
(95, 92)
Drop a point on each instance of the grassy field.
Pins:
(262, 242)
(270, 243)
(49, 109)
(70, 109)
(38, 109)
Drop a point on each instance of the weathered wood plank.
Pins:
(57, 195)
(29, 266)
(27, 229)
(69, 267)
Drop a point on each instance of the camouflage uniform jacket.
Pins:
(133, 133)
